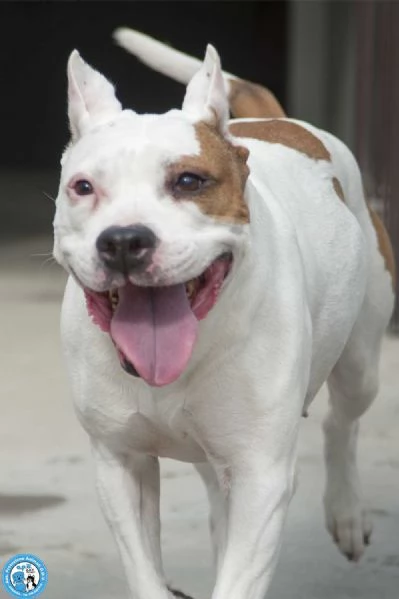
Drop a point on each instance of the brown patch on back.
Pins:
(225, 167)
(251, 100)
(283, 132)
(338, 189)
(384, 244)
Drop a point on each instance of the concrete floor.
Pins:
(47, 502)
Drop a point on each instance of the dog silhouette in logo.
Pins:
(18, 581)
(30, 583)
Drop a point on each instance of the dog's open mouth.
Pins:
(154, 328)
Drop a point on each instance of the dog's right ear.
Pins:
(91, 98)
(206, 96)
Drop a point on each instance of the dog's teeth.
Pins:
(114, 298)
(191, 287)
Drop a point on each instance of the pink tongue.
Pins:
(156, 330)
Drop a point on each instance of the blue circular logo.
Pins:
(25, 575)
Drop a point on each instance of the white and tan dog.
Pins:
(231, 268)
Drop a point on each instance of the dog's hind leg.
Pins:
(217, 510)
(128, 487)
(353, 385)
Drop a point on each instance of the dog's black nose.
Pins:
(125, 248)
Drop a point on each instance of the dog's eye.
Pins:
(83, 187)
(189, 182)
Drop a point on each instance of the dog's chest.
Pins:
(154, 424)
(165, 437)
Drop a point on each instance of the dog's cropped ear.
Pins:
(206, 97)
(91, 98)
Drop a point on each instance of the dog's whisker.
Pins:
(41, 255)
(48, 196)
(50, 260)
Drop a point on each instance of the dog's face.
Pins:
(150, 215)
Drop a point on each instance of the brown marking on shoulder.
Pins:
(338, 189)
(384, 245)
(251, 100)
(225, 169)
(283, 132)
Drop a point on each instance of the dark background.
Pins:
(36, 39)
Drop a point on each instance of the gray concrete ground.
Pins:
(48, 505)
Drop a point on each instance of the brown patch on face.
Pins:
(224, 168)
(283, 132)
(251, 100)
(384, 245)
(338, 189)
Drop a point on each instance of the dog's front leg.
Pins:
(257, 502)
(128, 487)
(253, 453)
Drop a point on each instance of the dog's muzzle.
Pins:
(153, 327)
(123, 249)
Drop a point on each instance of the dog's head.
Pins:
(150, 215)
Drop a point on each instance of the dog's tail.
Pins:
(246, 100)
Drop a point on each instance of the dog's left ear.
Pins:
(206, 97)
(91, 97)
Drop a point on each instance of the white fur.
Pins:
(158, 56)
(205, 97)
(91, 96)
(307, 301)
(162, 58)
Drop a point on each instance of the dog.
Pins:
(220, 272)
(30, 583)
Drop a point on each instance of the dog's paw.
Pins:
(349, 526)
